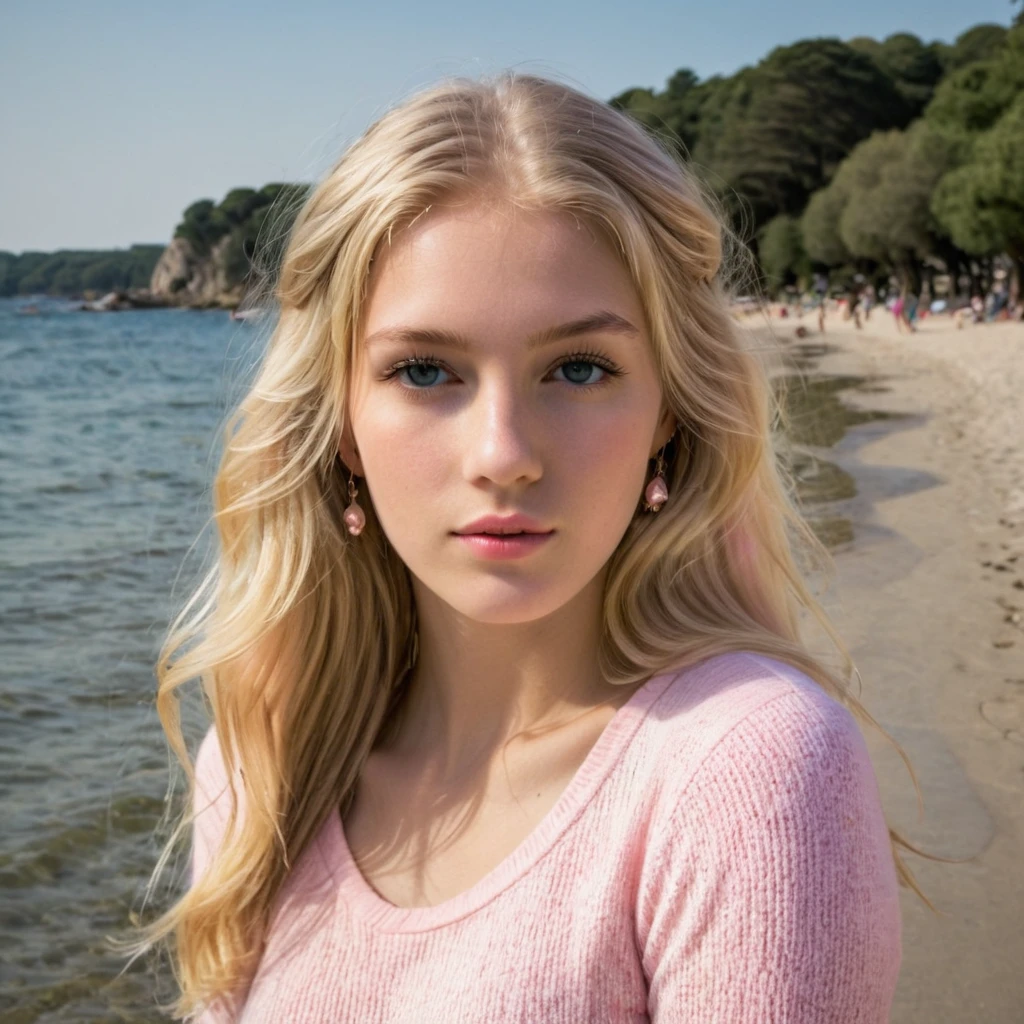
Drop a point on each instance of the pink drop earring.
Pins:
(354, 516)
(656, 492)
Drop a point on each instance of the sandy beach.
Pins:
(930, 596)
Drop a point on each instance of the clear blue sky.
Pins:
(115, 116)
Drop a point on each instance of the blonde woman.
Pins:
(512, 720)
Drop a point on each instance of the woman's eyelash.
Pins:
(586, 356)
(589, 356)
(414, 360)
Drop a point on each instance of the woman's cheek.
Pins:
(611, 450)
(395, 436)
(405, 457)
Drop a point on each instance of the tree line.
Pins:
(859, 158)
(75, 271)
(893, 158)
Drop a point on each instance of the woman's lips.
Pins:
(502, 546)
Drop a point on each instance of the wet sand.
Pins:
(930, 597)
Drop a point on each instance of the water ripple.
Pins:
(107, 428)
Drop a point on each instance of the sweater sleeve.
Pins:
(769, 892)
(211, 804)
(211, 809)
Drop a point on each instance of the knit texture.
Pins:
(720, 857)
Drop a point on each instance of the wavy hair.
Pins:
(303, 637)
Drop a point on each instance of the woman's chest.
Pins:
(422, 854)
(520, 960)
(419, 843)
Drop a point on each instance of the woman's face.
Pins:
(558, 430)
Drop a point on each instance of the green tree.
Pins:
(104, 276)
(72, 271)
(253, 253)
(790, 121)
(66, 279)
(981, 203)
(675, 114)
(915, 67)
(819, 226)
(241, 249)
(877, 209)
(974, 97)
(8, 274)
(37, 272)
(141, 261)
(238, 205)
(781, 252)
(982, 42)
(203, 225)
(890, 179)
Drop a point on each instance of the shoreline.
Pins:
(929, 598)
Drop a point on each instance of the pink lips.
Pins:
(502, 537)
(515, 523)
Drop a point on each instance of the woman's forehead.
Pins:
(486, 266)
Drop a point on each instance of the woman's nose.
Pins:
(501, 442)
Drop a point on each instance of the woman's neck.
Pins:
(476, 685)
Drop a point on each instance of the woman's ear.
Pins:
(349, 452)
(666, 428)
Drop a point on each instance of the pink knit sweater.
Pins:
(720, 857)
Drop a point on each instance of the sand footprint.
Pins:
(1006, 714)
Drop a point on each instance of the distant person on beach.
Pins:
(897, 312)
(910, 311)
(868, 301)
(854, 300)
(904, 311)
(511, 714)
(999, 301)
(821, 291)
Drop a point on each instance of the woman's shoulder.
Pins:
(763, 717)
(714, 696)
(767, 849)
(756, 754)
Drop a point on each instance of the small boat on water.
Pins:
(246, 314)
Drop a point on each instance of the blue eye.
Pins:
(421, 372)
(581, 366)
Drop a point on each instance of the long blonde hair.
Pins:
(304, 636)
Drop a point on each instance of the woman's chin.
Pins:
(504, 602)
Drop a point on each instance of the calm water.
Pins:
(108, 425)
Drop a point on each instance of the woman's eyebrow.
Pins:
(603, 320)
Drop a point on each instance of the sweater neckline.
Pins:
(362, 900)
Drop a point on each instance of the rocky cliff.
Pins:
(185, 277)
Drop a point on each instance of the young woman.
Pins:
(512, 718)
